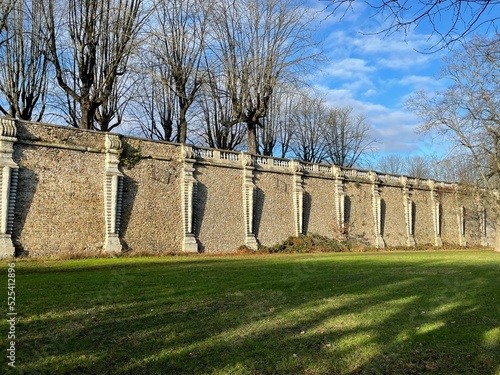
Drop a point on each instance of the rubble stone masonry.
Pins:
(69, 190)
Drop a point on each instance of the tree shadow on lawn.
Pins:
(295, 315)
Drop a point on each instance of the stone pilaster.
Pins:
(461, 226)
(113, 192)
(340, 201)
(188, 197)
(436, 213)
(482, 225)
(8, 183)
(298, 196)
(460, 217)
(408, 211)
(377, 210)
(248, 192)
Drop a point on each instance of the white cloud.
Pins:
(375, 75)
(395, 130)
(384, 70)
(370, 92)
(349, 68)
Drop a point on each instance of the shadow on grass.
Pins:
(323, 314)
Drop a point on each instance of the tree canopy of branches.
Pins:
(309, 122)
(221, 73)
(422, 167)
(90, 43)
(347, 136)
(450, 20)
(310, 130)
(257, 44)
(23, 62)
(467, 113)
(178, 42)
(6, 6)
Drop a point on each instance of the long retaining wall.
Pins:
(69, 190)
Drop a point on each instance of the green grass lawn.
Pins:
(430, 312)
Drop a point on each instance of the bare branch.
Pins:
(463, 17)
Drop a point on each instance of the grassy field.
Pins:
(431, 312)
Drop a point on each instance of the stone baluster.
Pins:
(298, 196)
(113, 192)
(408, 211)
(377, 210)
(8, 183)
(248, 191)
(188, 199)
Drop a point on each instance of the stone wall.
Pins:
(68, 190)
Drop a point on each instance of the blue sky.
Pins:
(375, 74)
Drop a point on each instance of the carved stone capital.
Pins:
(246, 160)
(373, 177)
(337, 171)
(403, 180)
(7, 127)
(112, 142)
(187, 152)
(296, 166)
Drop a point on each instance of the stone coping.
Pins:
(241, 159)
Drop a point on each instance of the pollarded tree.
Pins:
(214, 113)
(177, 43)
(257, 44)
(421, 167)
(153, 107)
(348, 136)
(418, 167)
(23, 62)
(393, 164)
(467, 113)
(89, 44)
(278, 132)
(309, 140)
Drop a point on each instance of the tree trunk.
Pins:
(252, 138)
(182, 128)
(86, 121)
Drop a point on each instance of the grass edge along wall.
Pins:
(72, 190)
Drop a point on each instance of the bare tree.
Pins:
(109, 114)
(215, 113)
(457, 168)
(309, 142)
(258, 44)
(277, 134)
(422, 167)
(23, 63)
(467, 113)
(418, 167)
(463, 17)
(393, 164)
(178, 43)
(152, 107)
(348, 137)
(89, 44)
